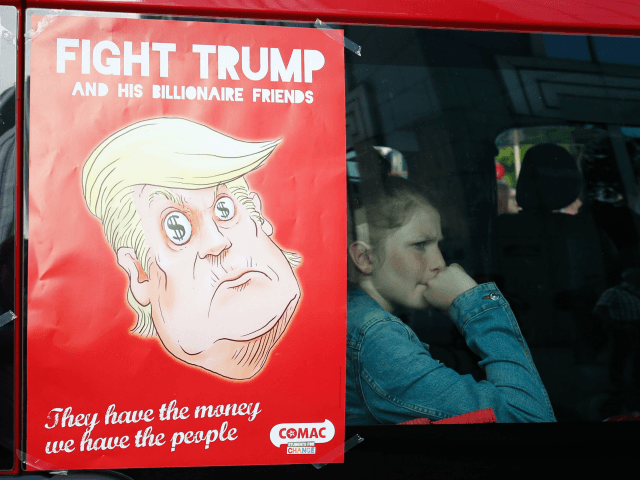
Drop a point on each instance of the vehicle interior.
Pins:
(458, 111)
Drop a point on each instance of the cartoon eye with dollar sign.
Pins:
(178, 228)
(225, 209)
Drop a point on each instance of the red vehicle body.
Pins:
(617, 17)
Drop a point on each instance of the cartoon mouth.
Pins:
(238, 283)
(242, 279)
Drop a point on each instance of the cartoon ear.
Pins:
(266, 226)
(360, 254)
(138, 279)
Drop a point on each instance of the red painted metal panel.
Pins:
(570, 16)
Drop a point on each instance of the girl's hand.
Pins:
(450, 282)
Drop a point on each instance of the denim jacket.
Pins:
(391, 377)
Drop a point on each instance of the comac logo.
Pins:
(285, 433)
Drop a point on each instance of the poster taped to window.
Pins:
(186, 288)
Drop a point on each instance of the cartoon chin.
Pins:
(255, 319)
(246, 327)
(238, 356)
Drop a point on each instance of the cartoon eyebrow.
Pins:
(169, 195)
(217, 194)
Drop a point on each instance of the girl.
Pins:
(391, 377)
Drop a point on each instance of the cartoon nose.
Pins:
(213, 242)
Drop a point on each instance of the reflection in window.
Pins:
(621, 50)
(633, 132)
(567, 46)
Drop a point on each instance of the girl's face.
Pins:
(411, 258)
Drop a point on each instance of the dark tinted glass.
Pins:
(459, 113)
(8, 25)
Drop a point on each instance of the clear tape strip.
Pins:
(42, 24)
(51, 15)
(7, 36)
(342, 449)
(331, 33)
(38, 464)
(7, 317)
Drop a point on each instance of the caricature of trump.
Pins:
(204, 274)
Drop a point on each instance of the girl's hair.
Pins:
(387, 207)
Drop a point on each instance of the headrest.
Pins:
(549, 179)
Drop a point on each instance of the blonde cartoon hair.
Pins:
(168, 153)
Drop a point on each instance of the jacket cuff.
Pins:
(475, 301)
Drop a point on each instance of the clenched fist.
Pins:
(447, 285)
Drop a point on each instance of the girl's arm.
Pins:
(399, 379)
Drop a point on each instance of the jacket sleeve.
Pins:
(399, 380)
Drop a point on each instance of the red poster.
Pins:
(186, 267)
